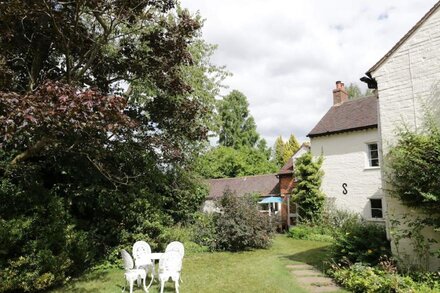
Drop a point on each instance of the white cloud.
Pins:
(286, 55)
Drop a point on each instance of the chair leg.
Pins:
(125, 285)
(145, 287)
(131, 286)
(151, 281)
(162, 284)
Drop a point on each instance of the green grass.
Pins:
(252, 271)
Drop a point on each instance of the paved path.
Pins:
(311, 279)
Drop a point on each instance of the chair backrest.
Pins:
(170, 262)
(141, 250)
(128, 261)
(176, 246)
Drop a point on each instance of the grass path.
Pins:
(252, 271)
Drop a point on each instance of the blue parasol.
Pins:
(271, 199)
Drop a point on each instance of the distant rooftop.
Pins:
(265, 185)
(349, 116)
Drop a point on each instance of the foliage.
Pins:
(96, 43)
(204, 230)
(237, 126)
(363, 278)
(263, 148)
(409, 228)
(278, 152)
(239, 226)
(360, 241)
(354, 92)
(307, 232)
(84, 169)
(307, 193)
(415, 170)
(338, 219)
(290, 148)
(222, 162)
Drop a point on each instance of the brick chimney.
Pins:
(339, 94)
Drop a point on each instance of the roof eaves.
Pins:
(342, 130)
(404, 38)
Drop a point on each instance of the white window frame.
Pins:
(369, 164)
(381, 209)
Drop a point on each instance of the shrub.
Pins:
(240, 226)
(306, 232)
(363, 278)
(204, 232)
(360, 241)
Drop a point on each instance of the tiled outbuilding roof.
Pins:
(262, 184)
(287, 168)
(352, 115)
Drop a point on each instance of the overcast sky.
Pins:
(286, 55)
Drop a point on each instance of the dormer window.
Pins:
(373, 155)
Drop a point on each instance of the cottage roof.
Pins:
(287, 168)
(352, 115)
(404, 38)
(264, 184)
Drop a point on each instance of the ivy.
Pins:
(414, 165)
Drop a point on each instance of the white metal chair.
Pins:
(170, 266)
(131, 274)
(142, 258)
(176, 246)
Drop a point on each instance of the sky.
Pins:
(286, 55)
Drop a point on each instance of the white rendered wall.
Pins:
(408, 84)
(346, 161)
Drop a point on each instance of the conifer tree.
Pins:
(278, 149)
(307, 193)
(290, 148)
(237, 126)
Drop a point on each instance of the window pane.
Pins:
(373, 155)
(376, 203)
(376, 208)
(376, 213)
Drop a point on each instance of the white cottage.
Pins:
(347, 136)
(407, 78)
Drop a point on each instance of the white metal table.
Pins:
(154, 256)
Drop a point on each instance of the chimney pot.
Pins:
(339, 94)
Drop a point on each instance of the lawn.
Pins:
(253, 271)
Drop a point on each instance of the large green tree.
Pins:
(237, 126)
(224, 162)
(102, 106)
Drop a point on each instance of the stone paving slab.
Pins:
(315, 281)
(311, 279)
(300, 267)
(322, 289)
